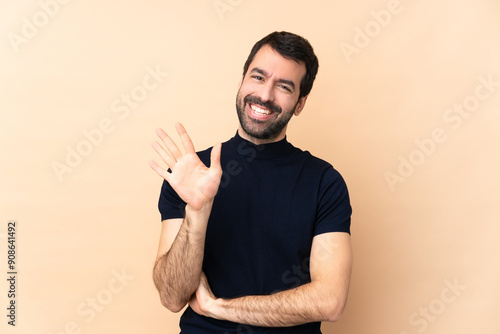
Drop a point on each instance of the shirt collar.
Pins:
(270, 150)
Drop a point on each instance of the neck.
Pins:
(258, 141)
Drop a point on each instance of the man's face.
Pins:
(269, 96)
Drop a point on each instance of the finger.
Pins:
(172, 148)
(186, 140)
(163, 155)
(215, 156)
(160, 171)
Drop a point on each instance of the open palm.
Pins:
(194, 182)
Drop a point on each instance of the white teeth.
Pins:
(260, 111)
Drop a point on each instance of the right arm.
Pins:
(177, 269)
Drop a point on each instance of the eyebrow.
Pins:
(264, 73)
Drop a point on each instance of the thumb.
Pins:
(215, 156)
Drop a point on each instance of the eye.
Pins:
(285, 87)
(257, 77)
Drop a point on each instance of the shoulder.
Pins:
(325, 174)
(319, 165)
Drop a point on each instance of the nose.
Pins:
(266, 92)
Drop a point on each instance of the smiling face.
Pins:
(269, 96)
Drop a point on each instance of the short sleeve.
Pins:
(334, 210)
(170, 204)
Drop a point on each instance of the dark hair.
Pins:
(290, 46)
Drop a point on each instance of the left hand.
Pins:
(203, 300)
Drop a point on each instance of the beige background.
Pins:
(433, 227)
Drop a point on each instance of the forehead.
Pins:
(278, 66)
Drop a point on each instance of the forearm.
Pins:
(304, 304)
(176, 274)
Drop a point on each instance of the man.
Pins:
(259, 241)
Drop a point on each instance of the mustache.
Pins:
(269, 105)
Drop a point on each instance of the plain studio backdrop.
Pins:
(405, 106)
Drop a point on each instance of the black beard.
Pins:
(272, 130)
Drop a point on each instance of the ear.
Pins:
(300, 105)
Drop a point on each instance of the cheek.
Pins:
(250, 86)
(247, 90)
(288, 105)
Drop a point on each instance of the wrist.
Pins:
(198, 217)
(201, 210)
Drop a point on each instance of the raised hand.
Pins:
(194, 182)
